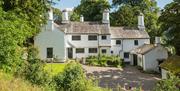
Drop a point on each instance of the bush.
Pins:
(33, 69)
(170, 84)
(74, 79)
(104, 60)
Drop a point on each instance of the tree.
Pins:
(170, 25)
(127, 11)
(91, 9)
(57, 15)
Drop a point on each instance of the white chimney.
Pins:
(81, 18)
(141, 22)
(105, 16)
(157, 41)
(50, 21)
(65, 16)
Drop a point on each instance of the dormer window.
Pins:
(92, 37)
(103, 37)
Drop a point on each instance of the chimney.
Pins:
(105, 16)
(81, 18)
(157, 41)
(65, 16)
(50, 21)
(141, 22)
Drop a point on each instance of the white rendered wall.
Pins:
(151, 57)
(164, 73)
(86, 44)
(126, 46)
(54, 39)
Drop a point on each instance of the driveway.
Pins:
(127, 77)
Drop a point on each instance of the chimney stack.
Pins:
(81, 18)
(157, 41)
(50, 21)
(65, 16)
(141, 25)
(105, 16)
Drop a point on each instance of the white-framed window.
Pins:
(79, 50)
(126, 54)
(103, 37)
(92, 37)
(76, 37)
(118, 42)
(103, 51)
(49, 52)
(136, 42)
(92, 50)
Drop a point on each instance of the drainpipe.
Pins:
(98, 49)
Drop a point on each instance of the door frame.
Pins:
(135, 60)
(70, 52)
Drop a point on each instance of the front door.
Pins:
(135, 59)
(70, 53)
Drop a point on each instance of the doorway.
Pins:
(70, 53)
(134, 59)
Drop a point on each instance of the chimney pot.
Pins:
(105, 16)
(81, 18)
(65, 16)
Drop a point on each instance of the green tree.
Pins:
(127, 11)
(170, 25)
(91, 9)
(57, 15)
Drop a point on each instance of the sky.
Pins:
(62, 4)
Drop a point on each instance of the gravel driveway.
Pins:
(129, 77)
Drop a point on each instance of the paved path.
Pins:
(129, 76)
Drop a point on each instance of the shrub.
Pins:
(74, 79)
(104, 60)
(170, 84)
(33, 69)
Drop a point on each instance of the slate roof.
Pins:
(122, 32)
(172, 64)
(143, 49)
(85, 28)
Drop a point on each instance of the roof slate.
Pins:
(121, 32)
(143, 49)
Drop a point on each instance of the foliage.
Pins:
(57, 15)
(104, 60)
(127, 11)
(74, 79)
(13, 32)
(170, 84)
(91, 10)
(9, 83)
(170, 25)
(33, 70)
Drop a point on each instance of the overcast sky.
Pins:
(72, 3)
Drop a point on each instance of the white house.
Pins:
(82, 39)
(51, 41)
(149, 56)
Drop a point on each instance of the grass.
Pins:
(55, 68)
(10, 83)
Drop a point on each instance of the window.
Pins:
(103, 50)
(76, 37)
(92, 37)
(79, 50)
(49, 52)
(118, 42)
(92, 50)
(103, 37)
(135, 42)
(112, 52)
(126, 55)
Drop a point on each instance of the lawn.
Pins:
(55, 68)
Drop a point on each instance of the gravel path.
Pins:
(129, 77)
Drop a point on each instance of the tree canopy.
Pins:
(90, 9)
(170, 25)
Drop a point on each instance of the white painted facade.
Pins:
(54, 39)
(149, 60)
(86, 44)
(126, 46)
